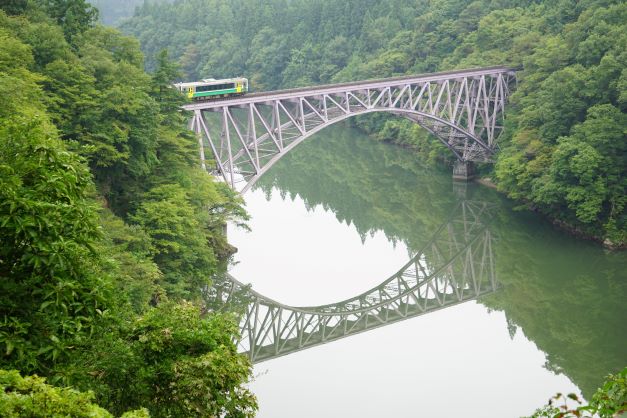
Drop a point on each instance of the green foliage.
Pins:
(195, 358)
(611, 398)
(43, 36)
(609, 401)
(126, 257)
(14, 7)
(179, 245)
(586, 168)
(573, 54)
(15, 58)
(168, 98)
(174, 361)
(31, 396)
(50, 292)
(73, 16)
(85, 249)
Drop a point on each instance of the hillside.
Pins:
(109, 230)
(564, 151)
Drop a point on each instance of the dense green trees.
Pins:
(31, 396)
(111, 12)
(73, 16)
(51, 293)
(109, 229)
(108, 226)
(573, 54)
(173, 360)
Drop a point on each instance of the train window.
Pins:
(215, 87)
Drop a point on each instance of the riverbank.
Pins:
(488, 182)
(571, 229)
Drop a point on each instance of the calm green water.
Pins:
(342, 212)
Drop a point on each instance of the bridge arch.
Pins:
(247, 135)
(415, 116)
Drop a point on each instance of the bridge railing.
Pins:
(245, 136)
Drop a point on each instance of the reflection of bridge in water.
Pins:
(455, 266)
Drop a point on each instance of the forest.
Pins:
(563, 152)
(109, 231)
(112, 12)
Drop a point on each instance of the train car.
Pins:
(210, 88)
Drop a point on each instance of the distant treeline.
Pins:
(114, 11)
(564, 150)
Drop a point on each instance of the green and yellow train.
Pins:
(210, 88)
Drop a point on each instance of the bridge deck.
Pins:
(334, 88)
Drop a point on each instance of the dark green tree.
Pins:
(51, 291)
(175, 362)
(14, 7)
(74, 16)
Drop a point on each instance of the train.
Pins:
(210, 88)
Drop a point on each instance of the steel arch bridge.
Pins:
(246, 135)
(456, 265)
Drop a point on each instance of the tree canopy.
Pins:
(572, 55)
(109, 230)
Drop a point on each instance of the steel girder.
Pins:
(454, 266)
(247, 135)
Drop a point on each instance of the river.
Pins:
(343, 212)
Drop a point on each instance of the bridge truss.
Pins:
(455, 266)
(247, 135)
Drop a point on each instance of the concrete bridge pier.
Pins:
(463, 170)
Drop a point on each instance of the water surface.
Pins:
(342, 212)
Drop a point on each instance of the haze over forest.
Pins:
(563, 151)
(111, 233)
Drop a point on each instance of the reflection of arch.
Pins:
(455, 266)
(247, 135)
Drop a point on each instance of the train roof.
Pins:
(209, 81)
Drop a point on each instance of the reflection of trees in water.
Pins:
(374, 186)
(567, 296)
(225, 295)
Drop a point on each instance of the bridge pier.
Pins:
(463, 170)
